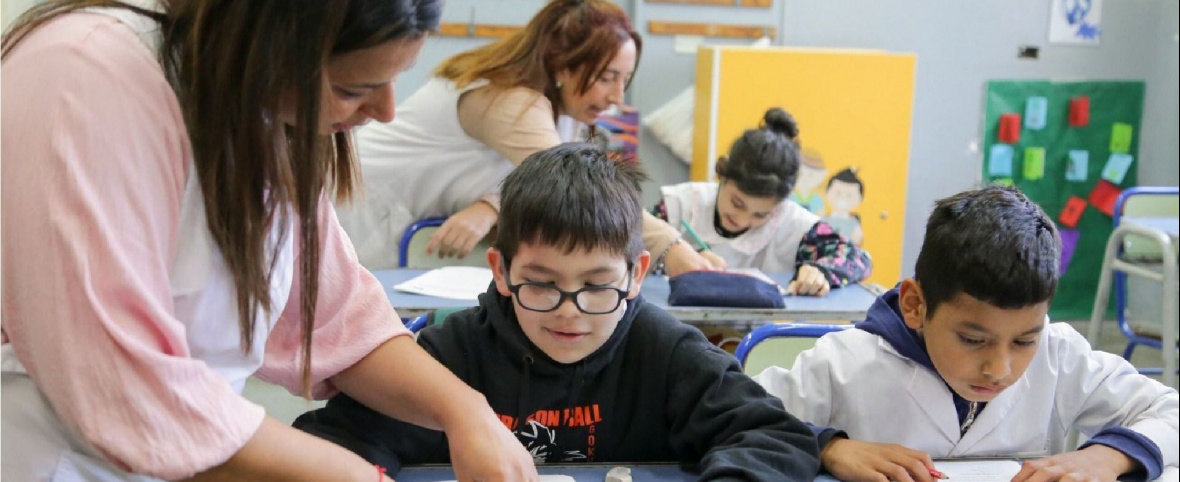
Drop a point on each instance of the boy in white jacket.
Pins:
(960, 361)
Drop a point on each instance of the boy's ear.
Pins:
(638, 273)
(496, 263)
(912, 303)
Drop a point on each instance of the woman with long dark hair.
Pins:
(167, 231)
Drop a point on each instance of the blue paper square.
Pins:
(1036, 109)
(1116, 167)
(1000, 161)
(1079, 166)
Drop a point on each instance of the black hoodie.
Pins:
(656, 391)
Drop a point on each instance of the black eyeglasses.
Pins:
(591, 300)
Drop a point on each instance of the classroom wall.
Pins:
(959, 46)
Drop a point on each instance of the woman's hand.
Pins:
(460, 233)
(714, 259)
(680, 258)
(483, 450)
(809, 281)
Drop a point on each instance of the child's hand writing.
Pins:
(1097, 463)
(459, 234)
(809, 281)
(858, 461)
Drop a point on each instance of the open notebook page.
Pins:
(454, 282)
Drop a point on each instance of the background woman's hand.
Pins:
(462, 230)
(681, 258)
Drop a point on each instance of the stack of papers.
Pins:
(454, 282)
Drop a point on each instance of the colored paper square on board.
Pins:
(1034, 163)
(999, 163)
(1116, 167)
(1078, 167)
(1004, 181)
(1104, 195)
(1009, 132)
(1069, 241)
(1072, 212)
(1120, 137)
(1036, 109)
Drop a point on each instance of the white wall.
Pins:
(10, 9)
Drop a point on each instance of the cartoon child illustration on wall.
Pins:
(812, 173)
(844, 194)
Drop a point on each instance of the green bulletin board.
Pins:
(1110, 102)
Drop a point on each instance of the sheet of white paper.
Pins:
(455, 282)
(978, 470)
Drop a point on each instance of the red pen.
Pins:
(936, 474)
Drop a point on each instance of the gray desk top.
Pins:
(849, 303)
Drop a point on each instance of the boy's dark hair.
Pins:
(573, 197)
(848, 175)
(764, 162)
(991, 243)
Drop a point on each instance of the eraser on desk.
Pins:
(1036, 110)
(619, 474)
(1074, 208)
(1079, 111)
(1009, 128)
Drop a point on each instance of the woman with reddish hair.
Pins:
(481, 114)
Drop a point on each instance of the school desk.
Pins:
(848, 303)
(639, 473)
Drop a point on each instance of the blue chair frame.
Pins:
(1120, 281)
(404, 248)
(783, 330)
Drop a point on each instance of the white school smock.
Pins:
(856, 381)
(122, 351)
(421, 165)
(772, 247)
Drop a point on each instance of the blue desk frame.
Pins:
(848, 303)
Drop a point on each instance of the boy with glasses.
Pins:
(571, 357)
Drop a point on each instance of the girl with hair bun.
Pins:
(747, 221)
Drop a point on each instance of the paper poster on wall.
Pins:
(1116, 167)
(1075, 22)
(1069, 241)
(1079, 166)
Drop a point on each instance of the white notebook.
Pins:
(454, 282)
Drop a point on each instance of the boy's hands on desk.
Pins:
(858, 461)
(462, 230)
(1094, 463)
(809, 281)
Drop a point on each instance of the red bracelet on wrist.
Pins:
(380, 473)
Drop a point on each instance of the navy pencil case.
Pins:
(718, 288)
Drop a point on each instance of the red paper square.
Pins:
(1074, 208)
(1079, 111)
(1009, 128)
(1104, 195)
